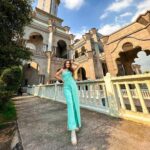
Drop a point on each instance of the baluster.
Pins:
(144, 107)
(86, 94)
(100, 95)
(148, 86)
(91, 93)
(94, 94)
(84, 91)
(82, 87)
(104, 94)
(133, 108)
(120, 96)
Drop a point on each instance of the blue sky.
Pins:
(105, 15)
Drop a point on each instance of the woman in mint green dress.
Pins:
(70, 90)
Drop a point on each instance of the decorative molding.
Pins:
(127, 35)
(131, 38)
(48, 15)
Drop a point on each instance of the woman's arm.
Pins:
(76, 65)
(57, 75)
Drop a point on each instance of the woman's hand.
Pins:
(57, 75)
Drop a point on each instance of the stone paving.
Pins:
(42, 125)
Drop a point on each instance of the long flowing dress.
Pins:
(70, 90)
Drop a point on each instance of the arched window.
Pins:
(81, 74)
(61, 50)
(76, 54)
(83, 50)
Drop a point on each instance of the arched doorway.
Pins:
(61, 50)
(81, 73)
(30, 73)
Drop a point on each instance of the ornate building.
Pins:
(51, 44)
(122, 46)
(88, 51)
(48, 40)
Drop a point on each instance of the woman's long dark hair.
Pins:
(70, 68)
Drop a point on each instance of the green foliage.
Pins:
(12, 55)
(5, 97)
(14, 16)
(8, 112)
(12, 78)
(9, 83)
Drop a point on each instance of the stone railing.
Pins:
(133, 94)
(125, 97)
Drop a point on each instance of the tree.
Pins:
(14, 16)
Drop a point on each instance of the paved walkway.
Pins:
(42, 124)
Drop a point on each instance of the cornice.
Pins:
(48, 15)
(127, 35)
(38, 28)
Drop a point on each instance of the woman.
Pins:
(70, 90)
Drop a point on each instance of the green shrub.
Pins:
(8, 112)
(12, 78)
(9, 83)
(5, 97)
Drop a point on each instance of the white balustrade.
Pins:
(93, 95)
(126, 97)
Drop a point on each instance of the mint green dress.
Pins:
(70, 90)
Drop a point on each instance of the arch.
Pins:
(127, 46)
(125, 60)
(29, 32)
(135, 42)
(32, 73)
(81, 73)
(83, 50)
(35, 39)
(61, 50)
(76, 54)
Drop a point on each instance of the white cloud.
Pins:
(143, 60)
(119, 5)
(103, 16)
(126, 14)
(109, 28)
(79, 34)
(142, 7)
(73, 4)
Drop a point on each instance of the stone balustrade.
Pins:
(126, 97)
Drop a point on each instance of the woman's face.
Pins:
(67, 64)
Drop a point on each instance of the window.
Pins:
(83, 50)
(76, 54)
(29, 65)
